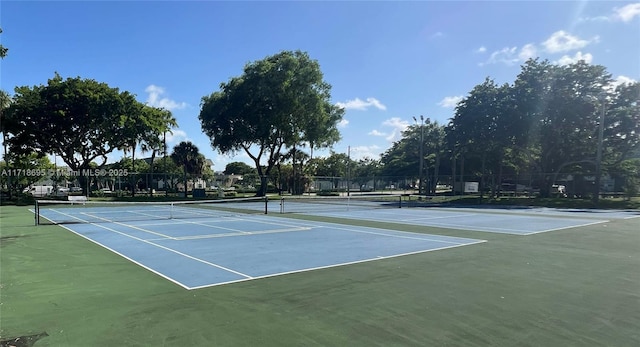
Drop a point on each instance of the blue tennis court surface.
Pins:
(211, 251)
(516, 222)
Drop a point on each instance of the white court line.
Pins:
(336, 265)
(174, 251)
(153, 244)
(568, 227)
(126, 257)
(332, 226)
(244, 233)
(105, 220)
(175, 221)
(127, 226)
(444, 217)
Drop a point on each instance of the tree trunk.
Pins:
(484, 160)
(462, 175)
(184, 176)
(453, 173)
(436, 173)
(150, 187)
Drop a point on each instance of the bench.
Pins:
(77, 198)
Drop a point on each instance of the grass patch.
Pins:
(572, 287)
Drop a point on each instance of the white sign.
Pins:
(470, 187)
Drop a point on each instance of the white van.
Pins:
(39, 191)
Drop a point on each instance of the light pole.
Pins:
(421, 158)
(602, 98)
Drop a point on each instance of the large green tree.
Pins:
(334, 166)
(557, 103)
(278, 103)
(365, 170)
(403, 158)
(484, 128)
(238, 168)
(622, 123)
(79, 120)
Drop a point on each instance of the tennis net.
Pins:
(313, 204)
(73, 212)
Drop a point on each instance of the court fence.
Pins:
(173, 185)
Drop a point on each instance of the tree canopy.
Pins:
(80, 120)
(545, 124)
(279, 102)
(238, 168)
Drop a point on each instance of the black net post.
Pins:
(36, 213)
(266, 203)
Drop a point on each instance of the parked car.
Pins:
(39, 191)
(61, 191)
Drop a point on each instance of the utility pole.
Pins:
(602, 98)
(421, 158)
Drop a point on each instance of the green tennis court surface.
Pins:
(570, 287)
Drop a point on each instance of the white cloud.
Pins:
(436, 35)
(558, 42)
(397, 125)
(506, 55)
(358, 104)
(176, 136)
(627, 13)
(361, 152)
(450, 101)
(481, 49)
(561, 41)
(623, 80)
(566, 60)
(343, 123)
(155, 99)
(376, 133)
(528, 51)
(595, 19)
(396, 122)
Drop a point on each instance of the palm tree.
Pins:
(187, 156)
(154, 140)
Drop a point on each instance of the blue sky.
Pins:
(387, 61)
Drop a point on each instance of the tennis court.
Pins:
(199, 247)
(500, 292)
(519, 221)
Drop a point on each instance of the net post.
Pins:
(400, 201)
(282, 204)
(171, 211)
(266, 203)
(37, 213)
